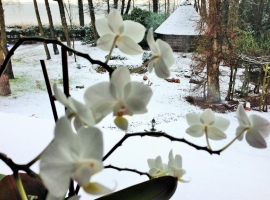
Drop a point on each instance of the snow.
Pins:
(240, 172)
(183, 21)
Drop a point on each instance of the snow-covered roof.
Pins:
(183, 21)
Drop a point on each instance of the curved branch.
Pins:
(50, 41)
(158, 134)
(127, 169)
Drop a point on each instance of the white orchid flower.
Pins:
(72, 156)
(257, 128)
(124, 34)
(175, 167)
(120, 96)
(207, 122)
(83, 115)
(162, 56)
(157, 168)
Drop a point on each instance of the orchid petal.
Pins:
(74, 198)
(261, 124)
(159, 163)
(77, 123)
(102, 27)
(63, 131)
(182, 180)
(96, 188)
(151, 65)
(166, 52)
(120, 78)
(151, 42)
(255, 139)
(59, 95)
(193, 118)
(115, 22)
(161, 69)
(241, 116)
(171, 155)
(179, 173)
(91, 143)
(151, 163)
(215, 133)
(221, 122)
(207, 117)
(239, 130)
(121, 123)
(128, 46)
(153, 171)
(82, 174)
(105, 42)
(195, 130)
(178, 161)
(134, 30)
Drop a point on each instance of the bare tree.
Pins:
(81, 13)
(128, 6)
(4, 81)
(3, 45)
(155, 6)
(122, 7)
(41, 29)
(93, 19)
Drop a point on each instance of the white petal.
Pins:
(221, 123)
(137, 96)
(59, 95)
(91, 143)
(255, 139)
(74, 198)
(115, 22)
(151, 65)
(239, 130)
(171, 155)
(96, 188)
(193, 118)
(242, 117)
(120, 78)
(77, 123)
(261, 124)
(151, 42)
(128, 46)
(178, 161)
(82, 174)
(179, 173)
(207, 117)
(161, 69)
(63, 131)
(215, 133)
(166, 52)
(134, 30)
(195, 130)
(153, 171)
(105, 42)
(158, 162)
(56, 166)
(151, 163)
(102, 27)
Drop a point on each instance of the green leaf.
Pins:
(156, 189)
(2, 176)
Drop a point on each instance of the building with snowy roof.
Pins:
(180, 28)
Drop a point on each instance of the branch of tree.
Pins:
(51, 41)
(158, 134)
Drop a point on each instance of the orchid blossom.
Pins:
(162, 56)
(72, 156)
(124, 34)
(256, 127)
(157, 168)
(175, 167)
(82, 114)
(120, 96)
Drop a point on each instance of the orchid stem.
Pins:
(20, 186)
(207, 139)
(233, 140)
(113, 45)
(144, 64)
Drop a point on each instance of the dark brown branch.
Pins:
(50, 41)
(15, 167)
(127, 169)
(158, 134)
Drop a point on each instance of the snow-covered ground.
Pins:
(239, 173)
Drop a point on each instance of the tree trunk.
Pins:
(108, 6)
(81, 14)
(55, 49)
(203, 9)
(122, 7)
(214, 55)
(93, 19)
(4, 82)
(64, 22)
(128, 6)
(168, 8)
(3, 35)
(155, 6)
(115, 4)
(41, 29)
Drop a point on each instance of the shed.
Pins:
(180, 28)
